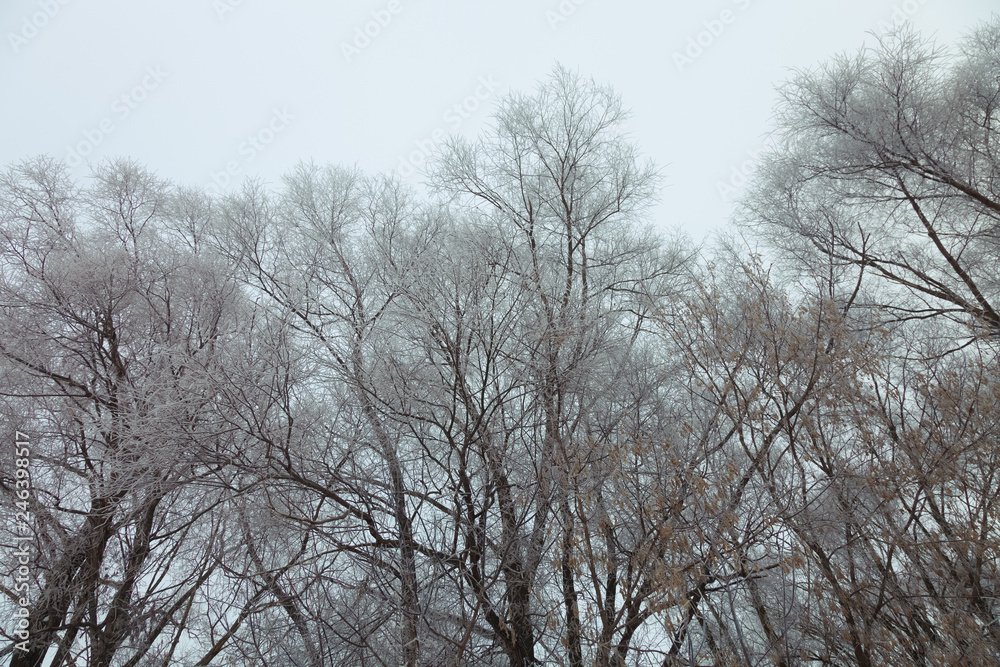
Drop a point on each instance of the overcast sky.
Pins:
(207, 92)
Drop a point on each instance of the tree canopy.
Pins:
(330, 422)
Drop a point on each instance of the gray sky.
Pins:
(193, 87)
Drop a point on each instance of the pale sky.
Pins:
(193, 87)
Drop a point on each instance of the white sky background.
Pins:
(223, 68)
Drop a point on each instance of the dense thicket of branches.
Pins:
(328, 423)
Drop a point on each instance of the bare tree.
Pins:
(331, 254)
(883, 186)
(328, 423)
(565, 193)
(886, 164)
(107, 338)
